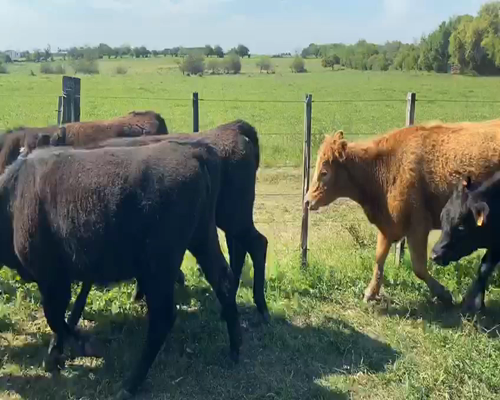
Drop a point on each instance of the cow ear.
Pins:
(481, 211)
(339, 135)
(341, 151)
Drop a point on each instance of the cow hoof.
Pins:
(369, 297)
(472, 305)
(123, 395)
(54, 362)
(445, 298)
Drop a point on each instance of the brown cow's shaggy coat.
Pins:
(402, 181)
(79, 134)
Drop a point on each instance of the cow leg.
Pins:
(255, 244)
(139, 294)
(220, 277)
(55, 299)
(161, 318)
(383, 247)
(78, 307)
(77, 310)
(417, 243)
(474, 299)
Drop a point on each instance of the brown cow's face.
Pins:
(328, 175)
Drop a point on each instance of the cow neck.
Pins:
(362, 167)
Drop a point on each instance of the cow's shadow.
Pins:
(448, 317)
(286, 359)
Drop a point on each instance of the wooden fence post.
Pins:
(71, 99)
(196, 113)
(59, 110)
(305, 176)
(410, 120)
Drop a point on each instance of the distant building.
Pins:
(14, 55)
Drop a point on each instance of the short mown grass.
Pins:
(323, 342)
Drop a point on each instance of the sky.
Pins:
(265, 26)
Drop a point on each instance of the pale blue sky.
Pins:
(265, 26)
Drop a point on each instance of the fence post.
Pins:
(59, 110)
(410, 120)
(305, 176)
(196, 113)
(71, 99)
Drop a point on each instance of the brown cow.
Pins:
(402, 180)
(78, 134)
(133, 124)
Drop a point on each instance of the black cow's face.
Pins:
(462, 220)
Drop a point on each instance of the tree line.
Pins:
(463, 43)
(103, 50)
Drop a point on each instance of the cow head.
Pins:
(464, 220)
(328, 176)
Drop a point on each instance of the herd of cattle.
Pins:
(108, 201)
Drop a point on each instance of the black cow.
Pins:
(111, 215)
(237, 145)
(470, 221)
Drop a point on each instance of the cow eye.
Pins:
(323, 173)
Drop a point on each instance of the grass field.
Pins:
(323, 342)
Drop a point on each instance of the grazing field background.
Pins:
(323, 342)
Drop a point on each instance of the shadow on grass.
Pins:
(284, 360)
(487, 321)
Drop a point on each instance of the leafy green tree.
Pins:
(298, 64)
(232, 64)
(218, 52)
(264, 63)
(243, 51)
(209, 51)
(330, 61)
(192, 64)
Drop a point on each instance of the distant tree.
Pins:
(6, 58)
(232, 64)
(378, 62)
(208, 51)
(264, 63)
(155, 53)
(214, 66)
(182, 52)
(243, 51)
(165, 52)
(125, 50)
(38, 55)
(192, 64)
(330, 61)
(175, 52)
(218, 52)
(313, 50)
(298, 64)
(104, 50)
(47, 53)
(141, 52)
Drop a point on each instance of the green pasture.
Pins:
(323, 341)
